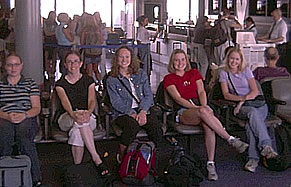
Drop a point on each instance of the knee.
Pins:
(204, 111)
(253, 114)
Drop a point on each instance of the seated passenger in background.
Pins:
(131, 113)
(185, 85)
(77, 94)
(238, 84)
(19, 105)
(272, 70)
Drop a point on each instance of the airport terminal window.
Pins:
(216, 6)
(265, 7)
(46, 6)
(71, 7)
(182, 16)
(76, 7)
(156, 12)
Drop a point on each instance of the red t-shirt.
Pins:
(186, 85)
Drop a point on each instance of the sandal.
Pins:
(102, 169)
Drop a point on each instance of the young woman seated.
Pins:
(238, 84)
(185, 86)
(77, 94)
(130, 111)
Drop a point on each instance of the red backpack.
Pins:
(138, 164)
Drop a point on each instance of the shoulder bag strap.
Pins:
(130, 93)
(231, 83)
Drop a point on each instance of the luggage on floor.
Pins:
(15, 171)
(138, 164)
(283, 143)
(183, 170)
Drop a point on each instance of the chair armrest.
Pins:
(164, 107)
(274, 101)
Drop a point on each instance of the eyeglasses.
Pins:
(13, 65)
(73, 62)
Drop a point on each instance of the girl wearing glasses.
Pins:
(77, 94)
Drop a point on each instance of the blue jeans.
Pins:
(23, 134)
(256, 129)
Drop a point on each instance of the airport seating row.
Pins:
(280, 98)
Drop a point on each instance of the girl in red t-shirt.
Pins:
(185, 84)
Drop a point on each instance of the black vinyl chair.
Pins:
(281, 91)
(175, 128)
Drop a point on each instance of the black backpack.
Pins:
(183, 170)
(283, 143)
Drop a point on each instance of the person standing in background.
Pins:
(251, 26)
(201, 34)
(278, 31)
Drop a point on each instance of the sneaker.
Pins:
(238, 145)
(212, 175)
(251, 165)
(268, 152)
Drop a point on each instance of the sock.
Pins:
(230, 138)
(210, 162)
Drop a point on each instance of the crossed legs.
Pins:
(88, 139)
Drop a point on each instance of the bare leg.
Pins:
(89, 70)
(212, 122)
(87, 136)
(97, 73)
(77, 152)
(209, 139)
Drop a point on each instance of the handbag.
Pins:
(66, 122)
(257, 102)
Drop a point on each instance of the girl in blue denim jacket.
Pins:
(131, 97)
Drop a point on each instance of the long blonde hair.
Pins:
(241, 66)
(171, 67)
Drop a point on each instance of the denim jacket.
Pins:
(121, 100)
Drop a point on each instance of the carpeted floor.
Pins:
(56, 157)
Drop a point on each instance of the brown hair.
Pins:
(241, 66)
(12, 54)
(73, 53)
(171, 67)
(133, 66)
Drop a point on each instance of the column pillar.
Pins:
(28, 38)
